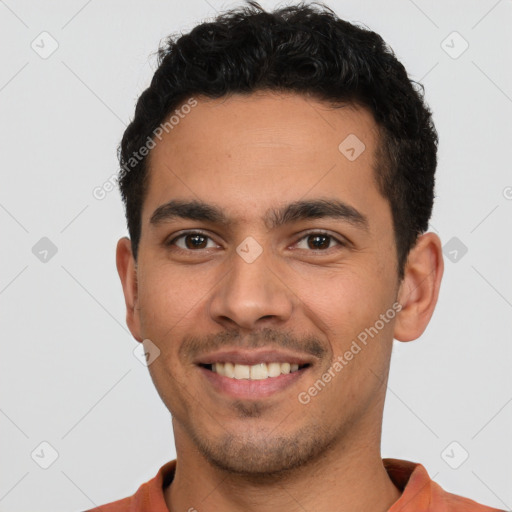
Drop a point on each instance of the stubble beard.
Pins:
(261, 455)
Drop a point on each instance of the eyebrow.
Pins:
(274, 217)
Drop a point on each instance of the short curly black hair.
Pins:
(306, 49)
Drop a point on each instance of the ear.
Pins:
(419, 289)
(127, 270)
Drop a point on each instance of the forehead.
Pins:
(253, 151)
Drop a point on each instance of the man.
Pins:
(278, 179)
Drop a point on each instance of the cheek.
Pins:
(167, 295)
(350, 306)
(345, 303)
(168, 303)
(174, 304)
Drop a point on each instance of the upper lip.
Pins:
(251, 357)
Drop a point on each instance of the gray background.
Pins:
(68, 375)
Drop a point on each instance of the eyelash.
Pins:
(306, 235)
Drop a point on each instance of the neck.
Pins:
(350, 476)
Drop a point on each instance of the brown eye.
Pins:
(191, 241)
(195, 241)
(319, 241)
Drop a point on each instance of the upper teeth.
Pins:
(255, 372)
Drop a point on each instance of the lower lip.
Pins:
(251, 389)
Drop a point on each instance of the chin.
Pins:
(265, 455)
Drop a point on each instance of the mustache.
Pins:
(194, 346)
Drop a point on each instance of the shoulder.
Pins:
(420, 492)
(455, 503)
(149, 497)
(123, 505)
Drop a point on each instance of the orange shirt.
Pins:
(419, 492)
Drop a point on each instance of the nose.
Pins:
(252, 295)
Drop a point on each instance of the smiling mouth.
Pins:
(260, 371)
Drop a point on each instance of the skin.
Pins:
(246, 154)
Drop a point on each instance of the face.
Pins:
(287, 256)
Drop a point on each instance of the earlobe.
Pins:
(420, 286)
(126, 268)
